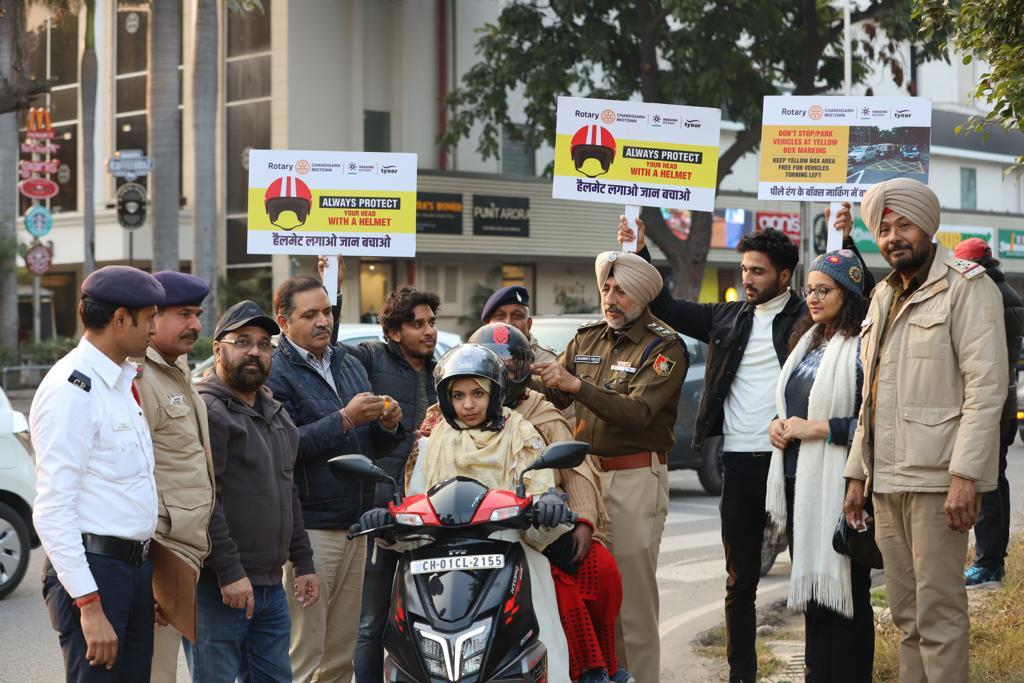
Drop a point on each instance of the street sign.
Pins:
(38, 188)
(38, 259)
(131, 206)
(129, 164)
(38, 221)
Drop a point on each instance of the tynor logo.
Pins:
(388, 169)
(589, 115)
(814, 113)
(608, 116)
(691, 123)
(901, 114)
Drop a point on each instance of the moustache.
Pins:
(613, 309)
(194, 336)
(319, 331)
(898, 245)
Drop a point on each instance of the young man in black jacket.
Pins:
(748, 342)
(992, 532)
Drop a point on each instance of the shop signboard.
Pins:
(787, 223)
(38, 259)
(317, 202)
(38, 188)
(834, 148)
(38, 221)
(636, 153)
(1011, 244)
(438, 213)
(501, 216)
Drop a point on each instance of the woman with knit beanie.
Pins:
(817, 399)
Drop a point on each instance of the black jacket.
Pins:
(315, 408)
(391, 374)
(1013, 315)
(725, 328)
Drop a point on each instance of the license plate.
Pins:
(457, 563)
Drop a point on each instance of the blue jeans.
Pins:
(229, 646)
(378, 580)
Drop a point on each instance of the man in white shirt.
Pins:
(96, 500)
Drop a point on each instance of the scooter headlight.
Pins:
(434, 655)
(473, 651)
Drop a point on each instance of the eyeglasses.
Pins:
(818, 293)
(244, 344)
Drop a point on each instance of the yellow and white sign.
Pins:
(305, 202)
(636, 153)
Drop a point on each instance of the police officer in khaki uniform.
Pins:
(625, 373)
(176, 416)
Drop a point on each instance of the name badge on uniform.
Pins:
(178, 400)
(624, 368)
(122, 427)
(592, 360)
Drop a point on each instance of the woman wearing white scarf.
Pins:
(817, 400)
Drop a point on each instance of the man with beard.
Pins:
(933, 347)
(256, 525)
(96, 500)
(326, 392)
(625, 373)
(176, 416)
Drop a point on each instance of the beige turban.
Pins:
(906, 197)
(639, 279)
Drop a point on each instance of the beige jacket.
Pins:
(941, 383)
(181, 448)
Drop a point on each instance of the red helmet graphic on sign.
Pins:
(288, 194)
(592, 142)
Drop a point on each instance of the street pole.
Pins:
(131, 248)
(37, 305)
(847, 57)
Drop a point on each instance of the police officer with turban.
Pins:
(624, 372)
(96, 500)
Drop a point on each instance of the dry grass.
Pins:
(712, 643)
(997, 630)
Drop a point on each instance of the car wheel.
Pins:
(772, 543)
(710, 472)
(14, 549)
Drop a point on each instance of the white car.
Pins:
(859, 155)
(17, 491)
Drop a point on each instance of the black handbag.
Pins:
(559, 553)
(859, 546)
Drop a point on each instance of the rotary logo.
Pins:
(608, 116)
(815, 113)
(302, 167)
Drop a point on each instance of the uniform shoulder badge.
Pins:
(590, 323)
(662, 331)
(968, 269)
(83, 382)
(663, 366)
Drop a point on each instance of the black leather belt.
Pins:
(133, 552)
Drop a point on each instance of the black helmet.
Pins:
(471, 360)
(515, 351)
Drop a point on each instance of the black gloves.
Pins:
(550, 509)
(374, 519)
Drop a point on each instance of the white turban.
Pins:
(639, 279)
(907, 197)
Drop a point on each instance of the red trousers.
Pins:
(588, 605)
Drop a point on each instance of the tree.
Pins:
(87, 86)
(165, 129)
(727, 55)
(204, 116)
(993, 31)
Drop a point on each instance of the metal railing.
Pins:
(19, 369)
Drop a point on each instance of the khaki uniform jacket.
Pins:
(941, 383)
(631, 386)
(181, 448)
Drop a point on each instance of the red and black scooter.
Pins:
(461, 605)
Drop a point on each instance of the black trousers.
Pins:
(126, 594)
(744, 487)
(837, 649)
(992, 532)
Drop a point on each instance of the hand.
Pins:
(429, 422)
(799, 429)
(375, 519)
(159, 618)
(321, 266)
(853, 506)
(238, 595)
(582, 537)
(554, 374)
(391, 415)
(844, 219)
(777, 434)
(960, 507)
(307, 589)
(100, 639)
(550, 510)
(364, 408)
(626, 233)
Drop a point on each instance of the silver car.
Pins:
(17, 492)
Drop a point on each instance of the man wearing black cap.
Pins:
(512, 305)
(96, 502)
(181, 449)
(256, 526)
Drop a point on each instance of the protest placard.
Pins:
(636, 153)
(306, 202)
(832, 149)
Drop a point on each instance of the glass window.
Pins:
(249, 78)
(517, 158)
(132, 32)
(248, 127)
(512, 274)
(237, 248)
(376, 280)
(64, 50)
(67, 173)
(968, 188)
(249, 32)
(255, 284)
(376, 131)
(131, 93)
(37, 44)
(64, 104)
(443, 280)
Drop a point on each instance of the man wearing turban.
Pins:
(624, 373)
(934, 353)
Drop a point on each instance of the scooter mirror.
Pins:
(356, 467)
(558, 456)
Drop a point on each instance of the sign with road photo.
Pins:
(832, 149)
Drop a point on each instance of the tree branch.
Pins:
(745, 141)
